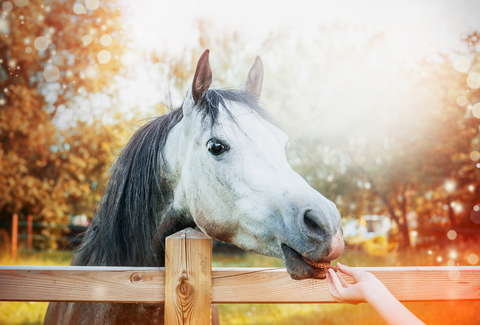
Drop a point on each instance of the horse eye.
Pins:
(216, 147)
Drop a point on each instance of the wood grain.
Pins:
(262, 285)
(82, 284)
(229, 285)
(188, 278)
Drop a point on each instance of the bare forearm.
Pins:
(391, 310)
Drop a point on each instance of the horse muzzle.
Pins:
(308, 265)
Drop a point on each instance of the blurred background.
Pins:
(382, 96)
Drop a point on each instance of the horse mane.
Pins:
(135, 214)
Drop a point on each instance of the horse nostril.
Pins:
(312, 225)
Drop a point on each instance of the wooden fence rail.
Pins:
(189, 281)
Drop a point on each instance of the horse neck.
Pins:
(135, 216)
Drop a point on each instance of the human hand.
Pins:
(341, 291)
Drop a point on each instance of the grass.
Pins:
(28, 313)
(445, 313)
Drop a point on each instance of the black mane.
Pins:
(135, 214)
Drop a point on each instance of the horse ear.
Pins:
(253, 83)
(203, 77)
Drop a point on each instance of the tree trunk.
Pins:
(451, 214)
(404, 227)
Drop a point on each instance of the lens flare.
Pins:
(472, 259)
(473, 80)
(462, 64)
(462, 101)
(452, 234)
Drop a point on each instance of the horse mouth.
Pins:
(301, 268)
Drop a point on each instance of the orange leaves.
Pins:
(44, 170)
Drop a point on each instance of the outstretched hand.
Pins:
(351, 293)
(367, 288)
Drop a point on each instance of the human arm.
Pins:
(367, 287)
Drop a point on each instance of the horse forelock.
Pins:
(135, 214)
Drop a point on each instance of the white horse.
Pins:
(217, 163)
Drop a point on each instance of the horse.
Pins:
(217, 163)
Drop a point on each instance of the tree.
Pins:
(51, 53)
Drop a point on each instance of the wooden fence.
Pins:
(188, 285)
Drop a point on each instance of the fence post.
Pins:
(30, 230)
(14, 236)
(188, 278)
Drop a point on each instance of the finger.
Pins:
(346, 269)
(330, 285)
(342, 280)
(332, 289)
(336, 281)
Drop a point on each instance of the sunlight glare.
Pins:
(452, 234)
(92, 4)
(475, 155)
(78, 9)
(473, 80)
(472, 259)
(51, 73)
(462, 101)
(41, 43)
(7, 6)
(106, 40)
(476, 109)
(449, 186)
(462, 63)
(87, 39)
(104, 56)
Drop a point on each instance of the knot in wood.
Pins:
(135, 277)
(184, 288)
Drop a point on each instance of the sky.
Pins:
(411, 29)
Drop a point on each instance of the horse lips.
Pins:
(321, 267)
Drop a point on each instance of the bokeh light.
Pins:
(106, 40)
(430, 252)
(51, 73)
(451, 263)
(462, 63)
(21, 3)
(476, 110)
(7, 6)
(92, 4)
(87, 39)
(439, 259)
(475, 214)
(474, 155)
(78, 9)
(28, 49)
(449, 186)
(41, 43)
(452, 234)
(453, 255)
(472, 259)
(104, 56)
(473, 80)
(462, 101)
(471, 188)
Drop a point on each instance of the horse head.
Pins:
(229, 173)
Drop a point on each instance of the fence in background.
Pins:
(188, 285)
(30, 236)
